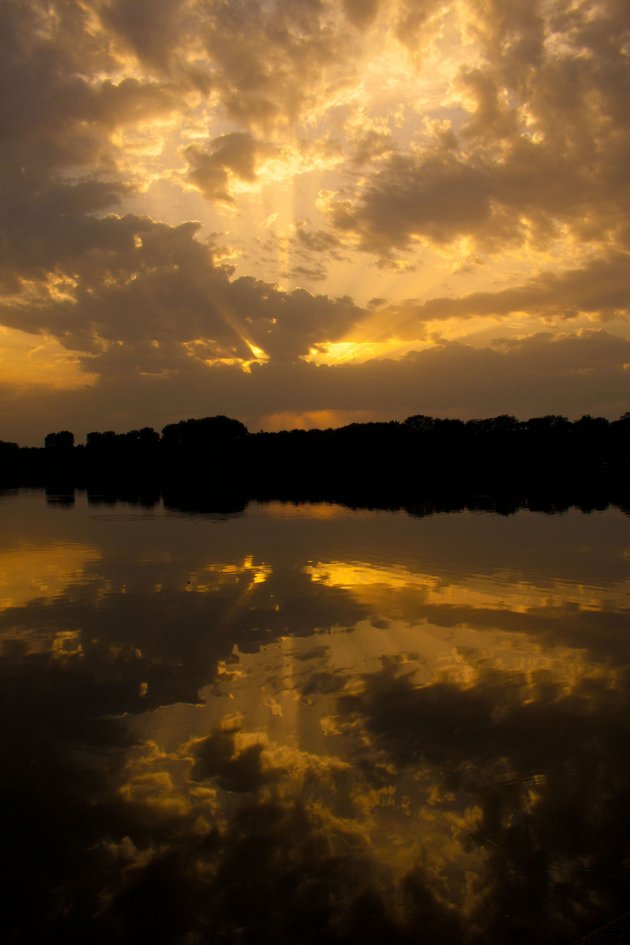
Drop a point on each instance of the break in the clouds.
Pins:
(542, 374)
(312, 211)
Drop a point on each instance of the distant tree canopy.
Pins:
(7, 447)
(206, 435)
(63, 440)
(193, 434)
(104, 440)
(419, 453)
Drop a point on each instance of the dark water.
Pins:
(308, 724)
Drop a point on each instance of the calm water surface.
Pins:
(310, 724)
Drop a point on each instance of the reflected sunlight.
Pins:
(32, 572)
(255, 574)
(504, 590)
(337, 695)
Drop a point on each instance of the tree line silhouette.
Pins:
(380, 463)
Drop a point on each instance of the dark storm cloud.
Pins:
(492, 119)
(412, 17)
(266, 61)
(149, 28)
(59, 170)
(443, 195)
(230, 154)
(361, 12)
(144, 285)
(440, 196)
(270, 60)
(285, 324)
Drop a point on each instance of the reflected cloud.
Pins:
(42, 573)
(29, 572)
(498, 741)
(340, 705)
(556, 613)
(213, 575)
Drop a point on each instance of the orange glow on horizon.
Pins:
(314, 419)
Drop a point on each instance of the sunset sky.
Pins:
(310, 212)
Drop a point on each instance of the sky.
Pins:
(304, 213)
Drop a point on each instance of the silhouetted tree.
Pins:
(549, 461)
(550, 425)
(63, 440)
(420, 423)
(100, 441)
(203, 433)
(195, 452)
(10, 455)
(7, 448)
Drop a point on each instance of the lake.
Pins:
(306, 723)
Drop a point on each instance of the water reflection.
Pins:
(311, 724)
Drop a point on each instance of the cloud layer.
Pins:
(197, 197)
